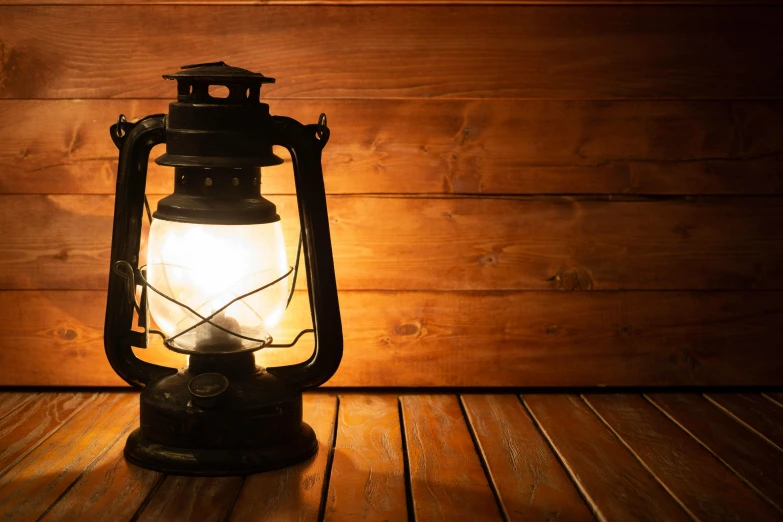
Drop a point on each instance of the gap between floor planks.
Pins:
(485, 436)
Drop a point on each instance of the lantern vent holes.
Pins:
(217, 82)
(218, 91)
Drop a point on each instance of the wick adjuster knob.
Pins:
(207, 388)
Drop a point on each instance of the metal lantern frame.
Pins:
(221, 414)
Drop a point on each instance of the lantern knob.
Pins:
(206, 389)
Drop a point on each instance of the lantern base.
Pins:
(219, 462)
(221, 415)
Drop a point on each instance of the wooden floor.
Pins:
(662, 456)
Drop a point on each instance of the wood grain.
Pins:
(26, 428)
(526, 338)
(531, 483)
(777, 398)
(751, 457)
(615, 484)
(469, 243)
(754, 411)
(35, 482)
(10, 401)
(293, 493)
(693, 476)
(399, 51)
(366, 480)
(447, 480)
(382, 2)
(440, 146)
(109, 489)
(206, 499)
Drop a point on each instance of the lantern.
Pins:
(216, 280)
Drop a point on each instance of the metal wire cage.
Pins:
(133, 276)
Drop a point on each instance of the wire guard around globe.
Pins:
(128, 273)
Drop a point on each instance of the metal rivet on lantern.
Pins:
(235, 182)
(208, 182)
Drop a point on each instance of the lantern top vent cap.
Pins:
(217, 72)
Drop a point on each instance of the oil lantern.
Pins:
(216, 280)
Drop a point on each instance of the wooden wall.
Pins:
(521, 192)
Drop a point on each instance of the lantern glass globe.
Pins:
(208, 266)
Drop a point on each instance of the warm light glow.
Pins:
(205, 267)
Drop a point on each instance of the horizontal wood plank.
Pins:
(440, 146)
(527, 338)
(531, 483)
(366, 480)
(383, 2)
(295, 492)
(447, 481)
(109, 489)
(693, 476)
(455, 243)
(399, 51)
(617, 486)
(751, 457)
(34, 483)
(755, 411)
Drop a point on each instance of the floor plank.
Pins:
(25, 428)
(447, 480)
(206, 499)
(531, 483)
(616, 485)
(755, 411)
(777, 398)
(35, 482)
(367, 481)
(292, 493)
(109, 489)
(10, 401)
(690, 473)
(750, 456)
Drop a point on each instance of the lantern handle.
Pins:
(135, 142)
(304, 143)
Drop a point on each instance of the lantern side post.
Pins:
(135, 142)
(305, 143)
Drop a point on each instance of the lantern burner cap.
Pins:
(193, 82)
(205, 129)
(217, 72)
